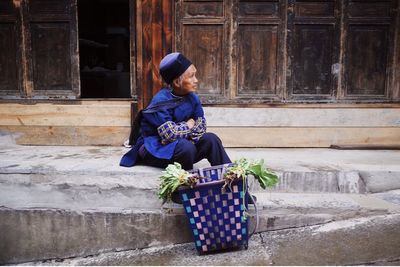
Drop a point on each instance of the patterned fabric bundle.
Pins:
(171, 131)
(216, 216)
(200, 127)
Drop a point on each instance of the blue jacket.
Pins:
(163, 125)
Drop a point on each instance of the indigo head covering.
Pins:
(173, 65)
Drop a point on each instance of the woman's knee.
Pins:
(185, 148)
(185, 153)
(211, 137)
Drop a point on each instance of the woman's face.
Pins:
(188, 82)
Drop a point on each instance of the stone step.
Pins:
(60, 202)
(82, 226)
(113, 192)
(362, 241)
(147, 178)
(300, 170)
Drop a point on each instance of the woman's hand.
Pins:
(190, 123)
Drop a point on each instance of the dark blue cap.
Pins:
(173, 65)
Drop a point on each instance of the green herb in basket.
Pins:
(243, 167)
(173, 177)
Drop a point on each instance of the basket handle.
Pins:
(257, 216)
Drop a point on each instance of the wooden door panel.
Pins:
(51, 56)
(50, 42)
(8, 57)
(7, 8)
(49, 8)
(313, 48)
(369, 9)
(313, 59)
(257, 59)
(366, 64)
(10, 60)
(315, 9)
(52, 48)
(368, 46)
(261, 9)
(203, 9)
(258, 49)
(204, 46)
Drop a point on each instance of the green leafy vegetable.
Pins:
(243, 167)
(264, 176)
(173, 177)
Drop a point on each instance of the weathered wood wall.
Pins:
(154, 41)
(82, 123)
(108, 123)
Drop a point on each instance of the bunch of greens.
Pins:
(243, 167)
(173, 177)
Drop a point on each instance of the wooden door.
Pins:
(52, 53)
(368, 49)
(261, 51)
(237, 47)
(258, 50)
(10, 55)
(313, 49)
(204, 27)
(40, 37)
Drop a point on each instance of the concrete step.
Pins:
(61, 202)
(363, 241)
(108, 193)
(300, 170)
(34, 232)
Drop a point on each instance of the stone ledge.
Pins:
(44, 233)
(361, 241)
(350, 242)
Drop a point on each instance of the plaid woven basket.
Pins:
(216, 217)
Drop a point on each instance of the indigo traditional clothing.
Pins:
(166, 136)
(161, 130)
(186, 153)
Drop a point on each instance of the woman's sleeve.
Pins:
(170, 131)
(200, 128)
(167, 129)
(200, 125)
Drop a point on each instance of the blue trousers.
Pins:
(186, 153)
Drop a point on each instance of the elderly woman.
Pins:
(173, 127)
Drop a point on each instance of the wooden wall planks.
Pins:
(108, 123)
(154, 27)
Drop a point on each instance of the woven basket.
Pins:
(216, 216)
